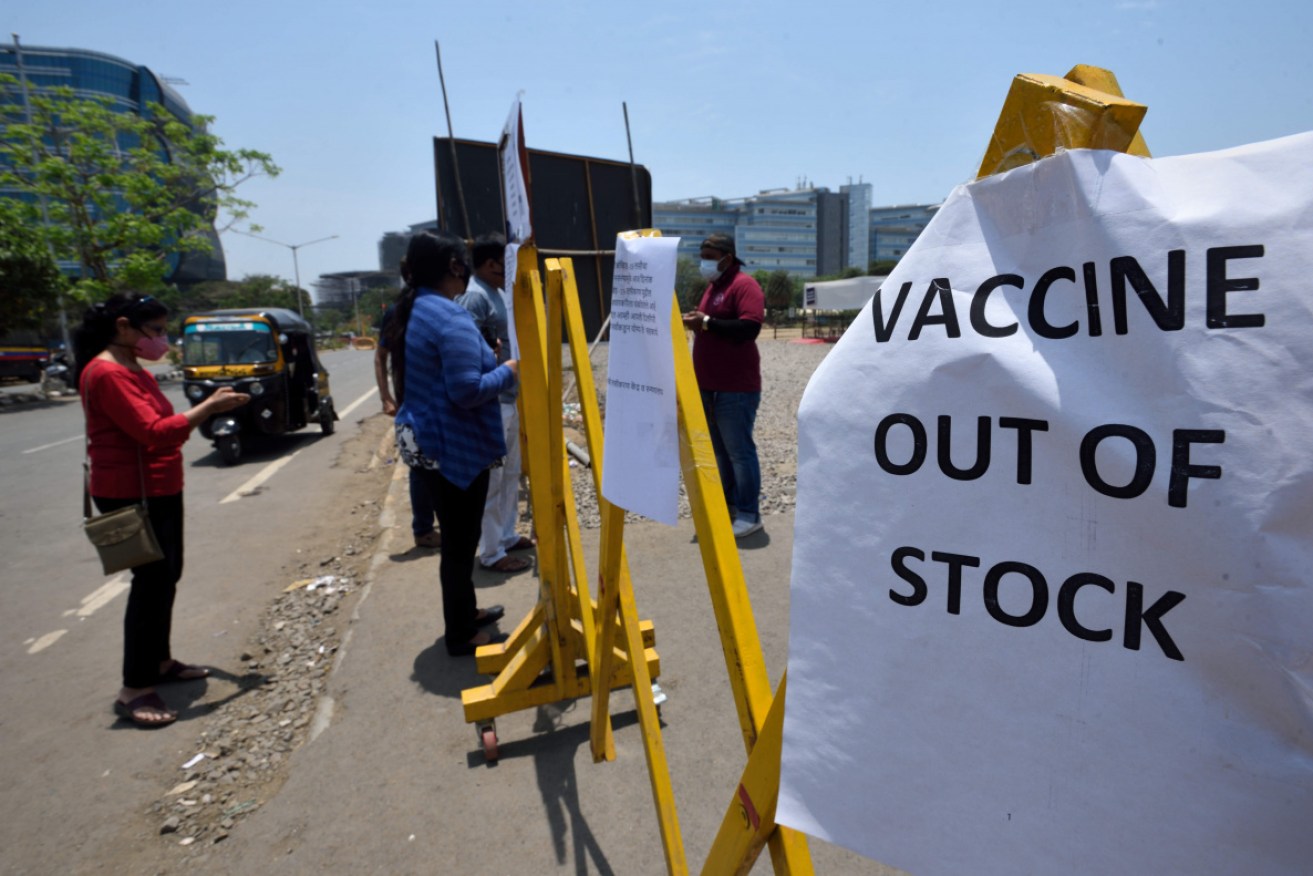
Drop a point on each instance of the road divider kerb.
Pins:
(323, 718)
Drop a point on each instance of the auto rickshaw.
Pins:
(268, 353)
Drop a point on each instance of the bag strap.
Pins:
(86, 459)
(86, 453)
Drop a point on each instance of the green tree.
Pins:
(689, 284)
(30, 281)
(778, 290)
(334, 318)
(882, 267)
(373, 302)
(253, 290)
(124, 192)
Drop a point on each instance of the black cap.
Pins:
(722, 243)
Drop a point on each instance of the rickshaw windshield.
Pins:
(228, 343)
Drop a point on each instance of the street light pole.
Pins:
(296, 265)
(355, 300)
(296, 272)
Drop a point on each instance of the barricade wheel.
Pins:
(488, 736)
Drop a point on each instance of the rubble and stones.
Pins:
(250, 735)
(785, 369)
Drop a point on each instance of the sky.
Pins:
(725, 98)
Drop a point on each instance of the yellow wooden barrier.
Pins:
(545, 658)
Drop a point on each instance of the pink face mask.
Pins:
(151, 349)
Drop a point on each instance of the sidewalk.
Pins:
(397, 783)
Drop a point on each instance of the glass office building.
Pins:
(778, 231)
(808, 232)
(859, 224)
(692, 219)
(894, 229)
(132, 88)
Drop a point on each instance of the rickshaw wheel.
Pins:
(230, 449)
(327, 417)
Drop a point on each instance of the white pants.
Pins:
(502, 508)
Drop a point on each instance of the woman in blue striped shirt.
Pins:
(449, 424)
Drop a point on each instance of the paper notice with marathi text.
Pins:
(640, 470)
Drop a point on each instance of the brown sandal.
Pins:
(509, 564)
(136, 711)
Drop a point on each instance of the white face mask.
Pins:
(709, 269)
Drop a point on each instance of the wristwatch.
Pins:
(706, 323)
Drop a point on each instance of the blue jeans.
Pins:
(730, 418)
(422, 512)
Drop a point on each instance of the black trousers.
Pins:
(460, 516)
(149, 618)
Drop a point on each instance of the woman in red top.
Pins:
(134, 441)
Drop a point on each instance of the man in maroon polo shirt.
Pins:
(728, 367)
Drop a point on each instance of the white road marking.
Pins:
(272, 468)
(101, 596)
(46, 641)
(264, 474)
(346, 412)
(54, 444)
(93, 602)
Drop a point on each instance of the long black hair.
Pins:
(99, 325)
(427, 264)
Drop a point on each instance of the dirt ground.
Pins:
(286, 660)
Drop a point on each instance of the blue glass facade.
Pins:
(132, 88)
(859, 224)
(692, 220)
(894, 229)
(779, 230)
(91, 73)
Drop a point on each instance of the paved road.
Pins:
(395, 782)
(72, 784)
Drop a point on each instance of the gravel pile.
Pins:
(240, 756)
(785, 369)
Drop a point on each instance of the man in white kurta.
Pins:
(487, 303)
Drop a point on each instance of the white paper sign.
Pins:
(1052, 608)
(511, 262)
(640, 448)
(515, 190)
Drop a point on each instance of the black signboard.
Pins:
(578, 204)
